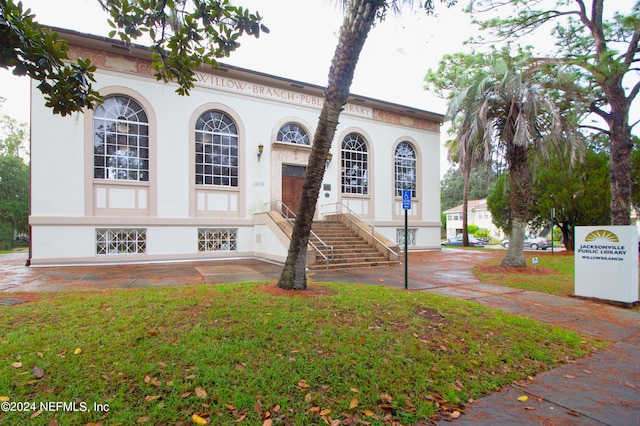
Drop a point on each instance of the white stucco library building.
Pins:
(149, 175)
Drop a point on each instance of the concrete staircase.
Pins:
(349, 250)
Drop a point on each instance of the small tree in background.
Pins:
(14, 180)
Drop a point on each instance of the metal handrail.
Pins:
(329, 248)
(361, 219)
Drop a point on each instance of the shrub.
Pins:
(482, 233)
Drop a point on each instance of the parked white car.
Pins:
(533, 243)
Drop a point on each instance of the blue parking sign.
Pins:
(406, 199)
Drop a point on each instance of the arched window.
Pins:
(216, 150)
(292, 133)
(120, 140)
(355, 165)
(405, 168)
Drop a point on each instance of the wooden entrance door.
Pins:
(292, 180)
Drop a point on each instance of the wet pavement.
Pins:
(600, 389)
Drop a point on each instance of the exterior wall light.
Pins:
(260, 149)
(329, 158)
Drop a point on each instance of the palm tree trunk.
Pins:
(357, 23)
(520, 202)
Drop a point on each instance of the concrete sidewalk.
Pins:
(600, 389)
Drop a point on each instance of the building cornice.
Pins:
(107, 53)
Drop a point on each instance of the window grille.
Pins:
(121, 241)
(405, 169)
(400, 236)
(355, 165)
(212, 239)
(292, 133)
(216, 150)
(120, 140)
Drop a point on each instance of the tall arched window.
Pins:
(292, 133)
(405, 168)
(216, 150)
(120, 140)
(355, 165)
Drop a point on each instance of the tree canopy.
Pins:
(601, 46)
(184, 35)
(31, 50)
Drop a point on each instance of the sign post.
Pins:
(406, 206)
(553, 215)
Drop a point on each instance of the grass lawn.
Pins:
(554, 274)
(243, 354)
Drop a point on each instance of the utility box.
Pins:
(606, 263)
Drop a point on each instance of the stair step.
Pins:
(353, 265)
(349, 250)
(369, 256)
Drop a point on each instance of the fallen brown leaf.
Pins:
(37, 372)
(257, 407)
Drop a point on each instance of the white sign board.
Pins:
(606, 262)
